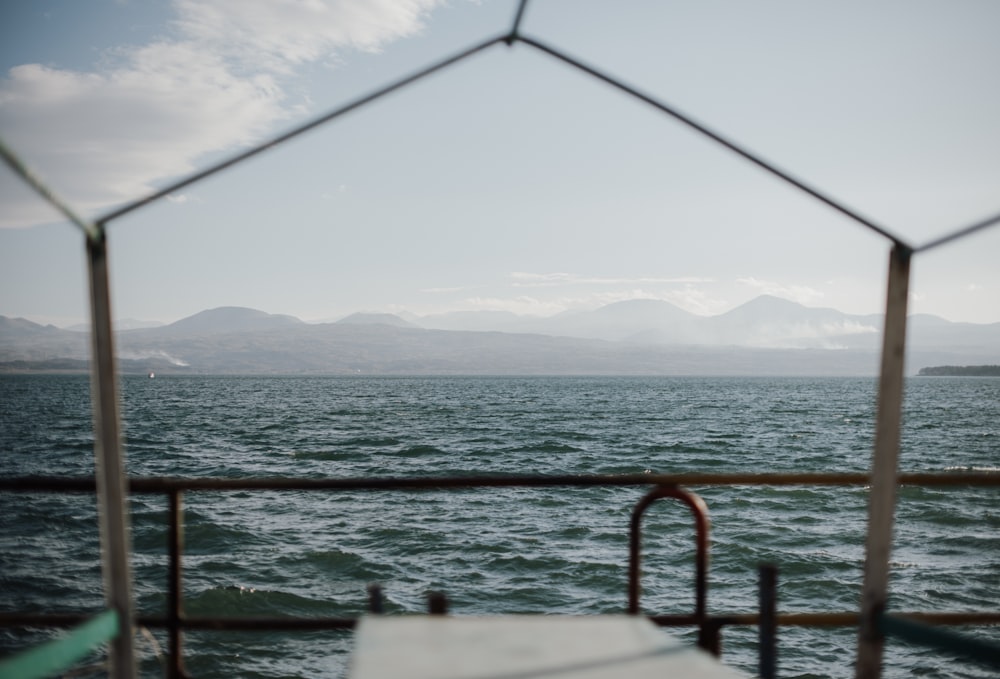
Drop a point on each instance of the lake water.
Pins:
(503, 550)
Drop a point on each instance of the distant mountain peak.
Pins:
(771, 307)
(769, 298)
(362, 318)
(23, 325)
(771, 302)
(231, 319)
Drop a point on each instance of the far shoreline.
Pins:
(960, 371)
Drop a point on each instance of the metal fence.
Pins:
(883, 480)
(710, 627)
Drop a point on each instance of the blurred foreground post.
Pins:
(110, 469)
(884, 471)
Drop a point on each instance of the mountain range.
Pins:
(766, 336)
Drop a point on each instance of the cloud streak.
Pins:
(525, 279)
(104, 137)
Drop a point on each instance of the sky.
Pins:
(509, 181)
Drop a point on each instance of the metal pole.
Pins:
(175, 586)
(884, 472)
(110, 465)
(767, 627)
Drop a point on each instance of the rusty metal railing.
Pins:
(884, 477)
(175, 622)
(699, 510)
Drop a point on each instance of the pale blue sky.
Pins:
(509, 181)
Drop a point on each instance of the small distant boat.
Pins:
(151, 374)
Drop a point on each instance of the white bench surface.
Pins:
(523, 646)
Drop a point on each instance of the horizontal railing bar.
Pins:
(941, 639)
(801, 619)
(254, 623)
(849, 618)
(167, 484)
(196, 622)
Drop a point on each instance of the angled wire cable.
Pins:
(305, 127)
(513, 37)
(960, 233)
(716, 137)
(91, 230)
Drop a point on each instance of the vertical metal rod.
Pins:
(376, 602)
(110, 462)
(175, 585)
(884, 472)
(437, 603)
(767, 627)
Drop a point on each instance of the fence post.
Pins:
(767, 627)
(175, 585)
(884, 471)
(110, 463)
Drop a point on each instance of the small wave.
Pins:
(339, 564)
(326, 455)
(678, 447)
(420, 450)
(248, 600)
(518, 564)
(371, 442)
(274, 426)
(203, 536)
(547, 447)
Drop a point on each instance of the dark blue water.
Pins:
(506, 550)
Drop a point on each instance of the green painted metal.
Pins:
(942, 639)
(58, 655)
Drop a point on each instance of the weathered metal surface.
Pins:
(110, 463)
(707, 636)
(885, 468)
(767, 626)
(175, 585)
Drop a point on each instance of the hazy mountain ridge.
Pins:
(225, 320)
(763, 322)
(765, 336)
(361, 318)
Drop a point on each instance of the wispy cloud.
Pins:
(105, 136)
(277, 36)
(526, 279)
